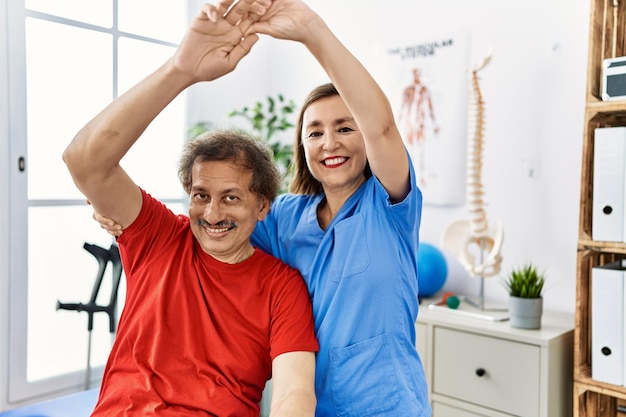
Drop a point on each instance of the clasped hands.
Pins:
(218, 38)
(241, 14)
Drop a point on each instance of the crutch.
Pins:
(103, 256)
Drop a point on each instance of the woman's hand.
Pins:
(113, 228)
(287, 19)
(218, 38)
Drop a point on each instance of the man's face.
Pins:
(223, 210)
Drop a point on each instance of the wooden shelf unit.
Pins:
(607, 39)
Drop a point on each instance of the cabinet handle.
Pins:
(480, 372)
(606, 351)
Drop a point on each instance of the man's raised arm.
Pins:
(213, 46)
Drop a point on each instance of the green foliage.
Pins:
(266, 121)
(525, 282)
(269, 118)
(199, 128)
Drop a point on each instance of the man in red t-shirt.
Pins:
(208, 319)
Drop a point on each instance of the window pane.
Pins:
(69, 78)
(152, 161)
(60, 269)
(159, 19)
(97, 12)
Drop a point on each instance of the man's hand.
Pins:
(218, 38)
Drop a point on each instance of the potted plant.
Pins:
(525, 286)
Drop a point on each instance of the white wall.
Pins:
(534, 92)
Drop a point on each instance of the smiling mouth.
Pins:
(219, 230)
(221, 227)
(334, 162)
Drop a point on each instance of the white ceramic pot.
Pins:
(525, 313)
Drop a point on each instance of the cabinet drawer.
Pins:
(487, 371)
(445, 410)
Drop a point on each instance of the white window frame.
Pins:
(14, 206)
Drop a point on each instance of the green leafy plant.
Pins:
(199, 128)
(525, 282)
(267, 120)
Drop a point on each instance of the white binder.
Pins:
(609, 185)
(607, 323)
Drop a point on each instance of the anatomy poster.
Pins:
(427, 86)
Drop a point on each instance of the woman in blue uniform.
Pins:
(351, 226)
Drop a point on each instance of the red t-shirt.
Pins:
(198, 336)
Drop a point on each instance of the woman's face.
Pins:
(333, 145)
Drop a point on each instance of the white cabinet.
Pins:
(484, 368)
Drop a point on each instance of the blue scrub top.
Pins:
(362, 278)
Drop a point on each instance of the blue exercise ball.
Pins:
(432, 270)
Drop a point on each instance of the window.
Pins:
(68, 60)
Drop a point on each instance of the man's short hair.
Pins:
(234, 146)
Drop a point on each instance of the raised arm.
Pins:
(294, 20)
(213, 46)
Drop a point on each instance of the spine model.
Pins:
(475, 242)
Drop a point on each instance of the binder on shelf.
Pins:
(607, 323)
(609, 185)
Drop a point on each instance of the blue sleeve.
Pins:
(408, 212)
(265, 234)
(261, 237)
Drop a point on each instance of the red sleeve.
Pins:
(155, 222)
(292, 326)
